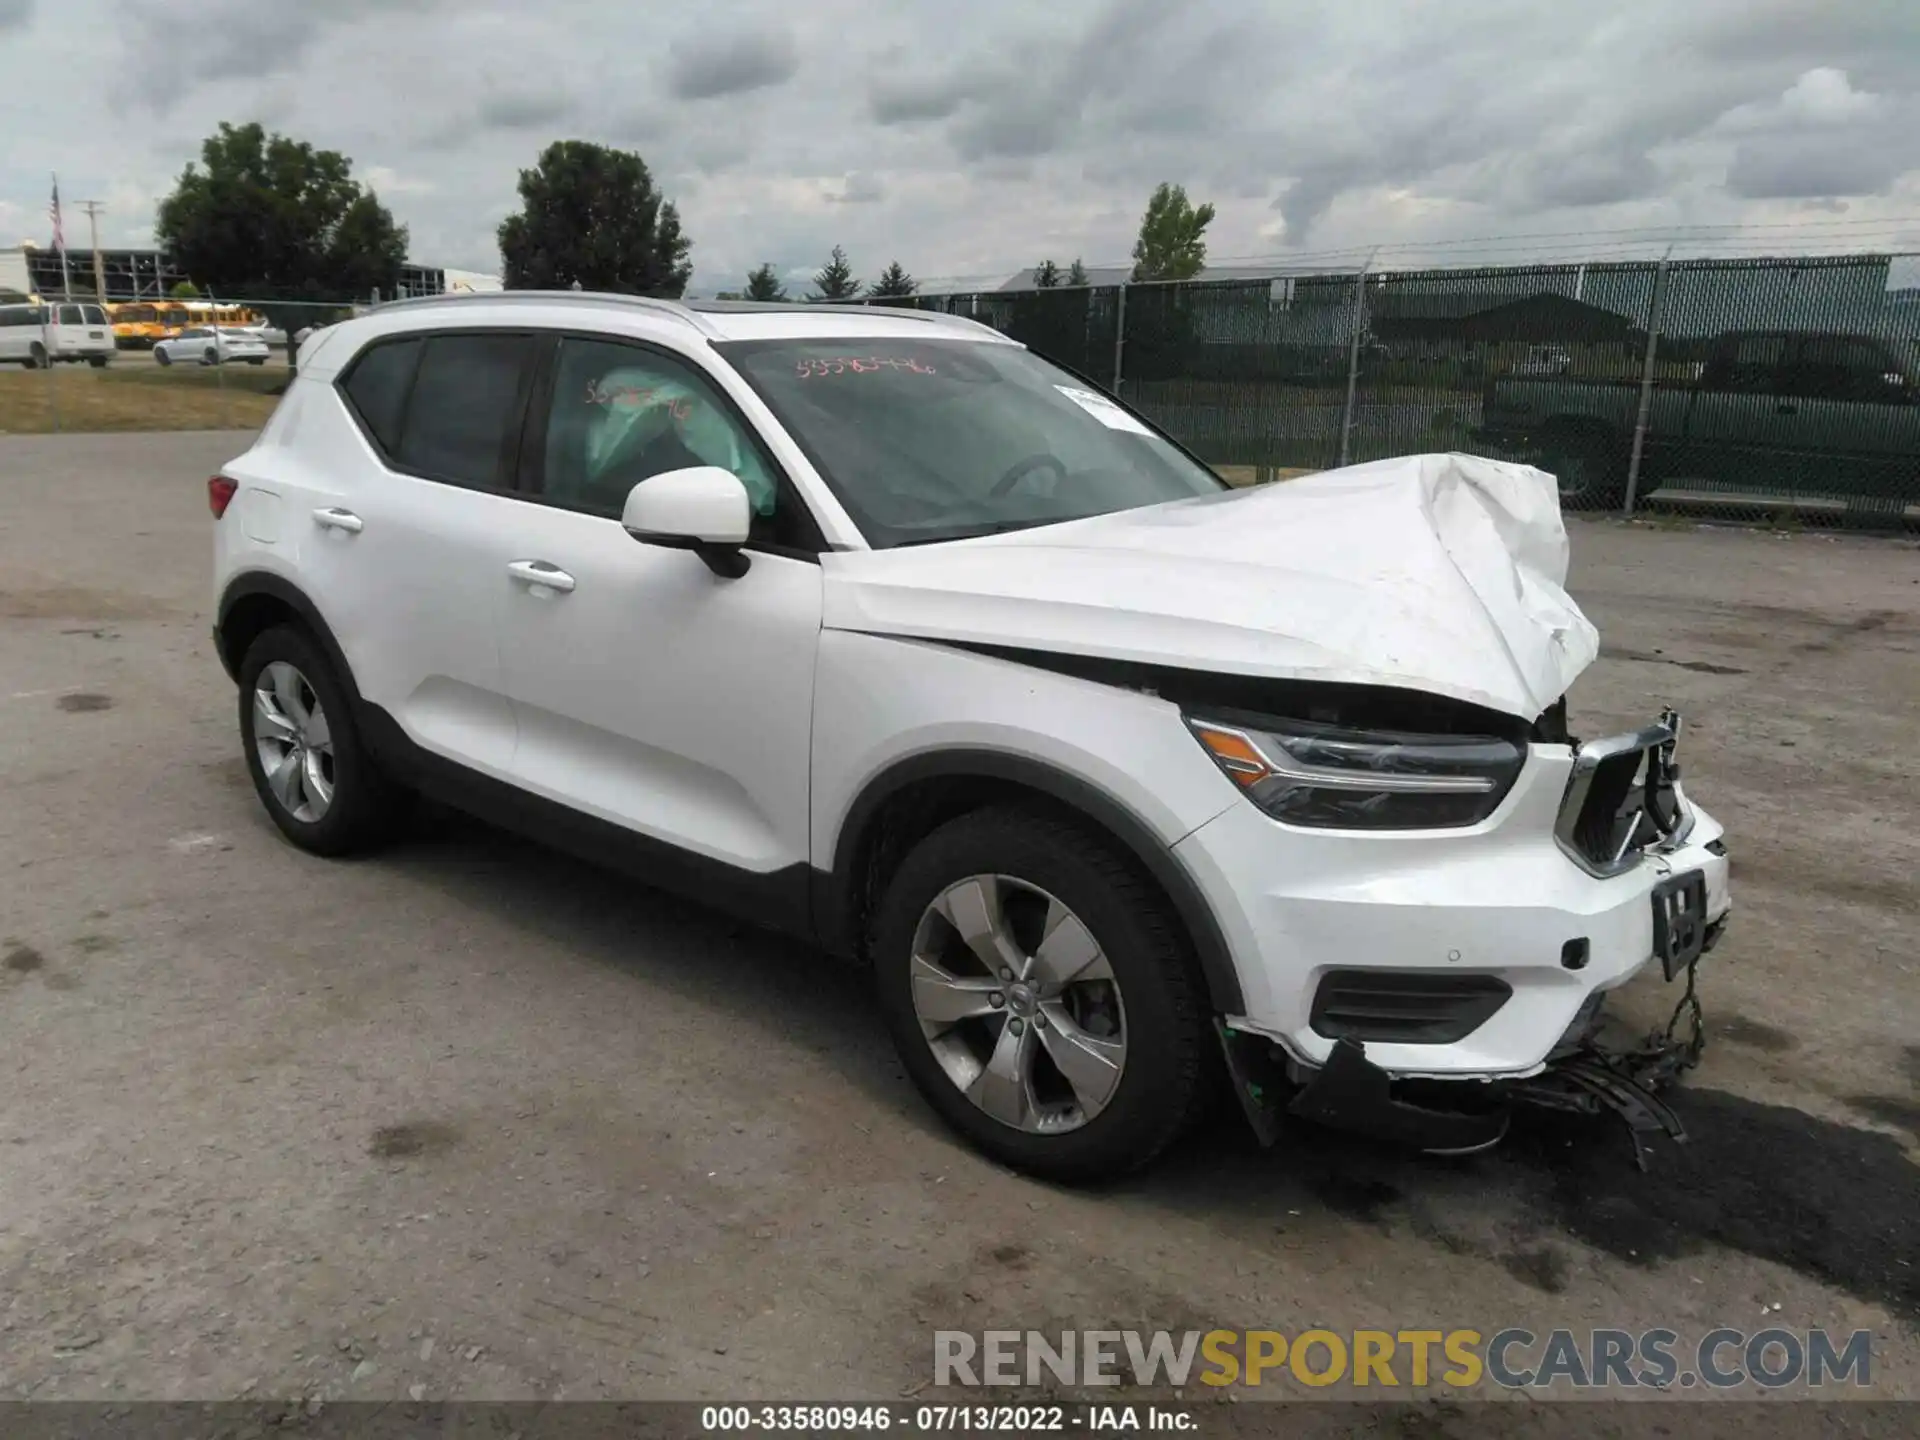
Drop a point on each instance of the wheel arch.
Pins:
(912, 797)
(256, 601)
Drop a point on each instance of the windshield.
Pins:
(928, 440)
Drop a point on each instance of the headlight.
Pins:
(1333, 778)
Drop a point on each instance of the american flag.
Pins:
(59, 239)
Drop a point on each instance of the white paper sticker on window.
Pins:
(1103, 410)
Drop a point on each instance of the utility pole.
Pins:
(94, 211)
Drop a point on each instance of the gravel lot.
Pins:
(471, 1120)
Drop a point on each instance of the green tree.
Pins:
(1172, 243)
(1046, 275)
(589, 214)
(763, 284)
(1077, 274)
(185, 290)
(264, 214)
(893, 282)
(834, 280)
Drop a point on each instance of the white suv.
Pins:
(880, 630)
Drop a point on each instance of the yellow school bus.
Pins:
(137, 324)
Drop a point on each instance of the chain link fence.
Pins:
(1784, 390)
(156, 363)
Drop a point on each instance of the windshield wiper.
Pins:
(973, 532)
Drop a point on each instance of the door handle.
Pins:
(332, 517)
(540, 572)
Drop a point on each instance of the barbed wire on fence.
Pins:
(1839, 236)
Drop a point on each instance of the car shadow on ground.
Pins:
(1830, 1201)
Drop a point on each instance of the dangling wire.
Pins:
(1696, 1042)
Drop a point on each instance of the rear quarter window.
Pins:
(376, 387)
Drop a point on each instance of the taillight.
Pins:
(220, 491)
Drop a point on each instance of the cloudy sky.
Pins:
(968, 138)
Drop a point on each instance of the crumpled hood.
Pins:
(1439, 573)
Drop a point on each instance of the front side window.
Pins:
(463, 407)
(927, 440)
(622, 414)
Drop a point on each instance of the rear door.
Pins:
(405, 541)
(69, 333)
(99, 331)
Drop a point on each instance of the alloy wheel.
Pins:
(1018, 1004)
(293, 741)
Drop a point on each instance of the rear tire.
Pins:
(1590, 465)
(210, 357)
(99, 362)
(37, 356)
(1145, 1011)
(325, 791)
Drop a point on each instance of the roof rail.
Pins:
(817, 307)
(670, 309)
(692, 314)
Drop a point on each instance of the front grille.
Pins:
(1622, 797)
(1604, 817)
(1416, 1007)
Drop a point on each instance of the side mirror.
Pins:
(702, 508)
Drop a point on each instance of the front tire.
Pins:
(162, 357)
(210, 357)
(304, 751)
(1041, 995)
(37, 357)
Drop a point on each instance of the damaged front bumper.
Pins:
(1644, 851)
(1584, 1075)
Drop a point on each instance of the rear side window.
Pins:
(70, 315)
(464, 406)
(377, 389)
(95, 315)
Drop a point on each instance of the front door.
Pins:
(648, 691)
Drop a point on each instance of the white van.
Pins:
(71, 331)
